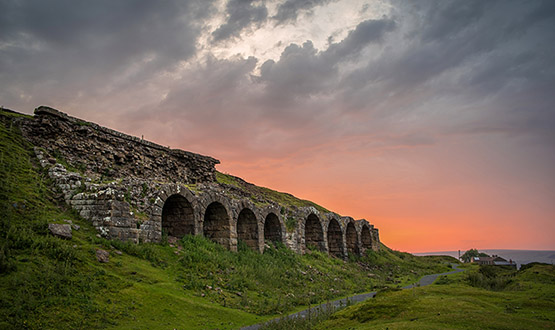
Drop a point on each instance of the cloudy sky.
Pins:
(435, 120)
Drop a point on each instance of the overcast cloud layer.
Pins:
(429, 118)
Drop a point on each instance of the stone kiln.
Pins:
(132, 189)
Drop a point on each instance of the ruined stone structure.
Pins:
(132, 189)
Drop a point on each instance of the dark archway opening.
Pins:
(366, 238)
(216, 224)
(272, 229)
(313, 235)
(351, 235)
(335, 239)
(247, 230)
(177, 217)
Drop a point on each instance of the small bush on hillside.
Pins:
(495, 278)
(442, 280)
(532, 264)
(147, 251)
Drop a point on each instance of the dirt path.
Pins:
(425, 280)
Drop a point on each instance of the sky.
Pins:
(434, 120)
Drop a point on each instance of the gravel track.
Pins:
(425, 280)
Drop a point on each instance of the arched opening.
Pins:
(216, 224)
(313, 235)
(366, 238)
(247, 230)
(351, 236)
(272, 229)
(177, 217)
(335, 239)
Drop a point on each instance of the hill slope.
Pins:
(486, 297)
(48, 282)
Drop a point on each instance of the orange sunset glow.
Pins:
(434, 120)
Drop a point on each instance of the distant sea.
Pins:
(521, 257)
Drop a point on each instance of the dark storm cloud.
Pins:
(369, 31)
(118, 30)
(241, 14)
(240, 108)
(435, 59)
(491, 34)
(223, 83)
(303, 70)
(87, 44)
(300, 71)
(448, 18)
(475, 50)
(290, 9)
(426, 61)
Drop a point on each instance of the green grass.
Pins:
(262, 194)
(7, 113)
(459, 302)
(278, 280)
(47, 282)
(39, 274)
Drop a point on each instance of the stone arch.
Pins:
(247, 228)
(335, 239)
(351, 238)
(216, 224)
(272, 229)
(151, 230)
(313, 233)
(178, 217)
(366, 237)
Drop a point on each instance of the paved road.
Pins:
(425, 280)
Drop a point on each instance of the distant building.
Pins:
(493, 260)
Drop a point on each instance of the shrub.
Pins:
(495, 278)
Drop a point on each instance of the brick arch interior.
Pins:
(272, 229)
(313, 233)
(178, 217)
(335, 239)
(216, 224)
(351, 236)
(247, 228)
(366, 238)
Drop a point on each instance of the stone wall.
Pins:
(155, 190)
(104, 154)
(103, 205)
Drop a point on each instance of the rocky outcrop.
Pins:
(60, 230)
(102, 255)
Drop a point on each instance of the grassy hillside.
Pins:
(262, 194)
(485, 297)
(48, 282)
